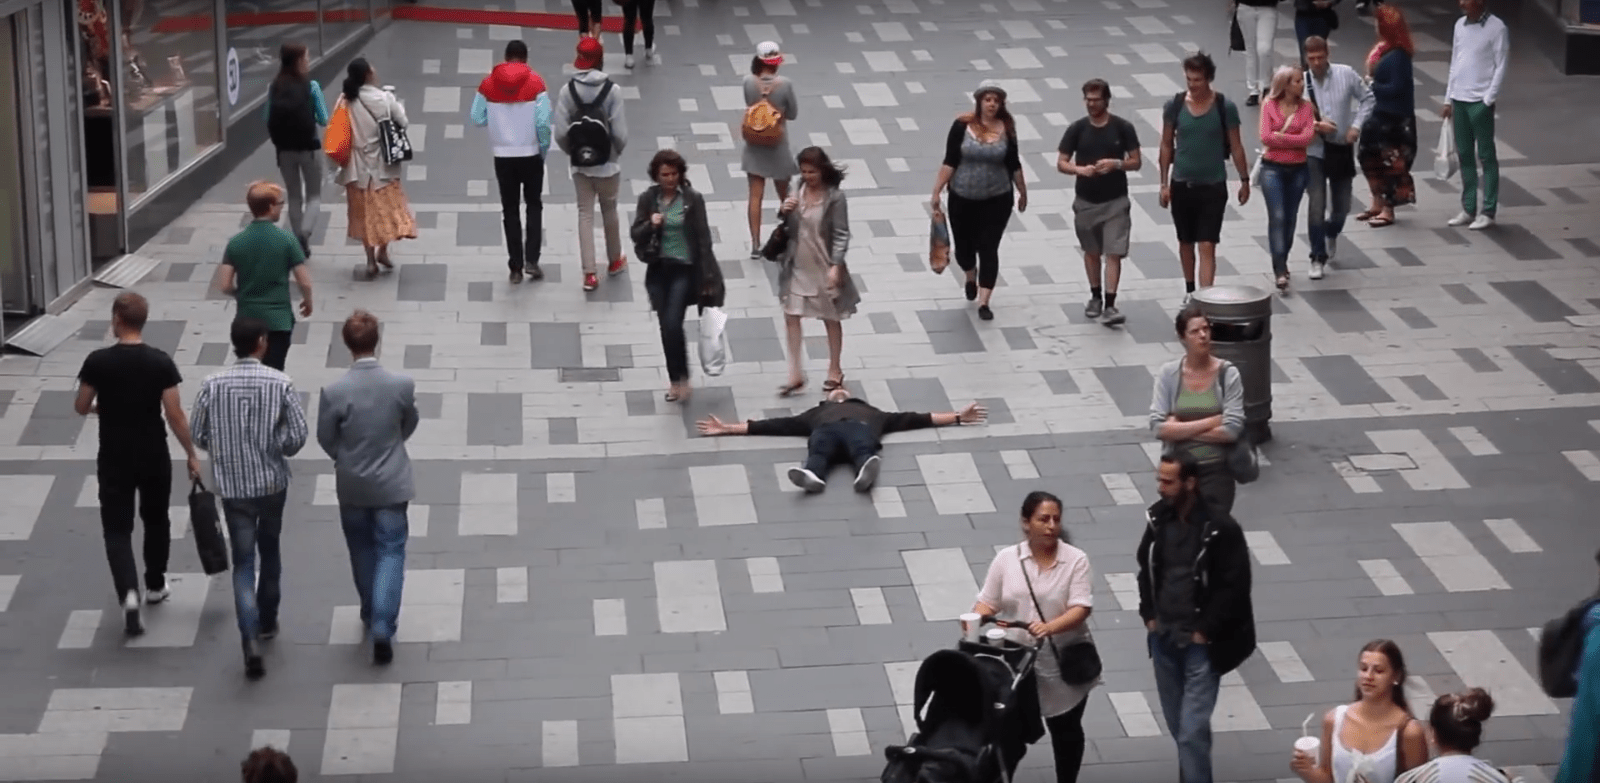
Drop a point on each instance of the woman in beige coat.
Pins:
(376, 201)
(814, 281)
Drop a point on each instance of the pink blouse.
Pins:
(1286, 146)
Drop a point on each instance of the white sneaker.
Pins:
(1482, 222)
(1461, 219)
(1316, 270)
(652, 56)
(806, 480)
(627, 61)
(868, 475)
(159, 595)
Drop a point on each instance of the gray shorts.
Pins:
(1103, 229)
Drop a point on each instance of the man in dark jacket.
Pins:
(841, 426)
(1194, 597)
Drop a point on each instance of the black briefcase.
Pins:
(207, 526)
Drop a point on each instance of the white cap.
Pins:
(769, 53)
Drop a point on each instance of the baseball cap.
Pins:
(769, 53)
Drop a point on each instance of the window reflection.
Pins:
(169, 102)
(255, 30)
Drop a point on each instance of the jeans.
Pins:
(151, 479)
(852, 440)
(255, 524)
(1283, 186)
(589, 189)
(1307, 25)
(1473, 125)
(1188, 690)
(376, 538)
(644, 11)
(976, 228)
(1260, 26)
(1067, 742)
(302, 181)
(277, 349)
(521, 180)
(671, 290)
(1327, 204)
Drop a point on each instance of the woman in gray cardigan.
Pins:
(773, 162)
(813, 280)
(1197, 408)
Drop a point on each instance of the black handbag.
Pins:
(1079, 662)
(393, 143)
(1235, 36)
(208, 539)
(777, 242)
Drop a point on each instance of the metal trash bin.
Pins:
(1241, 332)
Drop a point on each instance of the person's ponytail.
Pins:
(356, 76)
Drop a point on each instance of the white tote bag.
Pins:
(1444, 155)
(714, 352)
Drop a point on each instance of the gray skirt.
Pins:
(775, 162)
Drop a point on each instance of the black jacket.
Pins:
(708, 275)
(827, 412)
(1222, 584)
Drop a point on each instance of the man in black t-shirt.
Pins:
(130, 385)
(1099, 150)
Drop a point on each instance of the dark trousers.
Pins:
(151, 480)
(840, 441)
(1067, 742)
(1217, 486)
(671, 290)
(976, 228)
(277, 349)
(1307, 25)
(643, 11)
(588, 13)
(521, 180)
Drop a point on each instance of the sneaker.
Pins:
(984, 313)
(591, 281)
(1093, 309)
(1317, 267)
(806, 480)
(755, 252)
(1112, 317)
(1253, 100)
(305, 246)
(157, 595)
(533, 271)
(1187, 298)
(868, 474)
(652, 56)
(382, 652)
(268, 632)
(617, 266)
(1482, 222)
(1461, 219)
(132, 625)
(627, 61)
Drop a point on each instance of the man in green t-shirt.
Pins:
(256, 268)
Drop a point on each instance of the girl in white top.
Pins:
(1064, 585)
(1376, 738)
(1456, 723)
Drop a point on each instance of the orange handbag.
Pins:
(336, 143)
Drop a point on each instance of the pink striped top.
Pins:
(1287, 147)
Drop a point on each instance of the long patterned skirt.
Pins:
(379, 215)
(1387, 149)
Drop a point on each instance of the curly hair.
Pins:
(1393, 30)
(667, 158)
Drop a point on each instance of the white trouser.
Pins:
(1260, 26)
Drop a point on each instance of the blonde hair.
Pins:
(262, 197)
(1280, 82)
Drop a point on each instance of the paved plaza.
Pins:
(594, 593)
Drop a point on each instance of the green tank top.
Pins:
(1193, 406)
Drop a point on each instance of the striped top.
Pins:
(1455, 769)
(250, 419)
(1343, 99)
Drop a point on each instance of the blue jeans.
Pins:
(850, 440)
(1327, 205)
(1283, 186)
(671, 290)
(1188, 690)
(255, 524)
(376, 538)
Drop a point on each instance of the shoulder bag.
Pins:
(1079, 662)
(393, 143)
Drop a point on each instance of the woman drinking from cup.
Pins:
(1455, 728)
(1197, 408)
(1374, 739)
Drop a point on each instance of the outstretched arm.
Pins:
(784, 425)
(711, 425)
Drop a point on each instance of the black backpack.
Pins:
(291, 123)
(1561, 651)
(589, 131)
(1221, 103)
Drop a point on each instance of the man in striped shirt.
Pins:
(1342, 99)
(250, 419)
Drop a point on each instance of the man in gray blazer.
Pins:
(363, 422)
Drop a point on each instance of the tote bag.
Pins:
(336, 142)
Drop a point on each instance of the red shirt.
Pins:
(1286, 146)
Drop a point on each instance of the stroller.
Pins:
(977, 711)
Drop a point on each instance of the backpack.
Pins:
(763, 123)
(1221, 104)
(1561, 650)
(291, 123)
(589, 131)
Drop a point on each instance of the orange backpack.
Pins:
(763, 123)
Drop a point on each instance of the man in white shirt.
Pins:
(1478, 55)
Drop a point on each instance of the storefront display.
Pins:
(254, 33)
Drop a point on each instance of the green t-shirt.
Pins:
(674, 232)
(1199, 142)
(262, 256)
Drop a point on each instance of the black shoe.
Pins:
(1253, 100)
(868, 474)
(268, 633)
(132, 625)
(972, 291)
(516, 276)
(254, 666)
(382, 652)
(305, 246)
(984, 313)
(533, 271)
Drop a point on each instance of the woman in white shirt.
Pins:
(1047, 577)
(1374, 739)
(1456, 723)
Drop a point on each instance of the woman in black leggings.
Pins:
(984, 172)
(644, 11)
(588, 13)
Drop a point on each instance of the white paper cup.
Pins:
(969, 626)
(995, 636)
(1311, 746)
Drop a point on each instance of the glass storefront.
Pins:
(254, 34)
(342, 20)
(168, 67)
(13, 253)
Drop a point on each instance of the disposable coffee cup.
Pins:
(969, 626)
(388, 88)
(1311, 746)
(995, 636)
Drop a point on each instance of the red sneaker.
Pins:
(617, 265)
(590, 282)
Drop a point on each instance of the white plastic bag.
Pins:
(1255, 169)
(1444, 156)
(714, 341)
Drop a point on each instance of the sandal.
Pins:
(788, 390)
(831, 384)
(384, 261)
(1283, 282)
(1380, 221)
(1367, 215)
(372, 269)
(677, 394)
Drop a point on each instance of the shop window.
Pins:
(342, 19)
(255, 31)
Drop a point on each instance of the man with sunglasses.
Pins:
(1099, 150)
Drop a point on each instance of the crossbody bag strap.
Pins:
(1036, 607)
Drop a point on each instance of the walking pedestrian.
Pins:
(511, 102)
(378, 211)
(293, 111)
(1457, 721)
(593, 131)
(813, 279)
(1314, 18)
(672, 236)
(1478, 54)
(1258, 19)
(1194, 598)
(363, 422)
(1288, 124)
(641, 12)
(1099, 150)
(1375, 738)
(1199, 134)
(1338, 93)
(1197, 408)
(255, 271)
(1389, 134)
(250, 419)
(130, 386)
(267, 764)
(772, 161)
(983, 170)
(1048, 583)
(588, 13)
(1580, 761)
